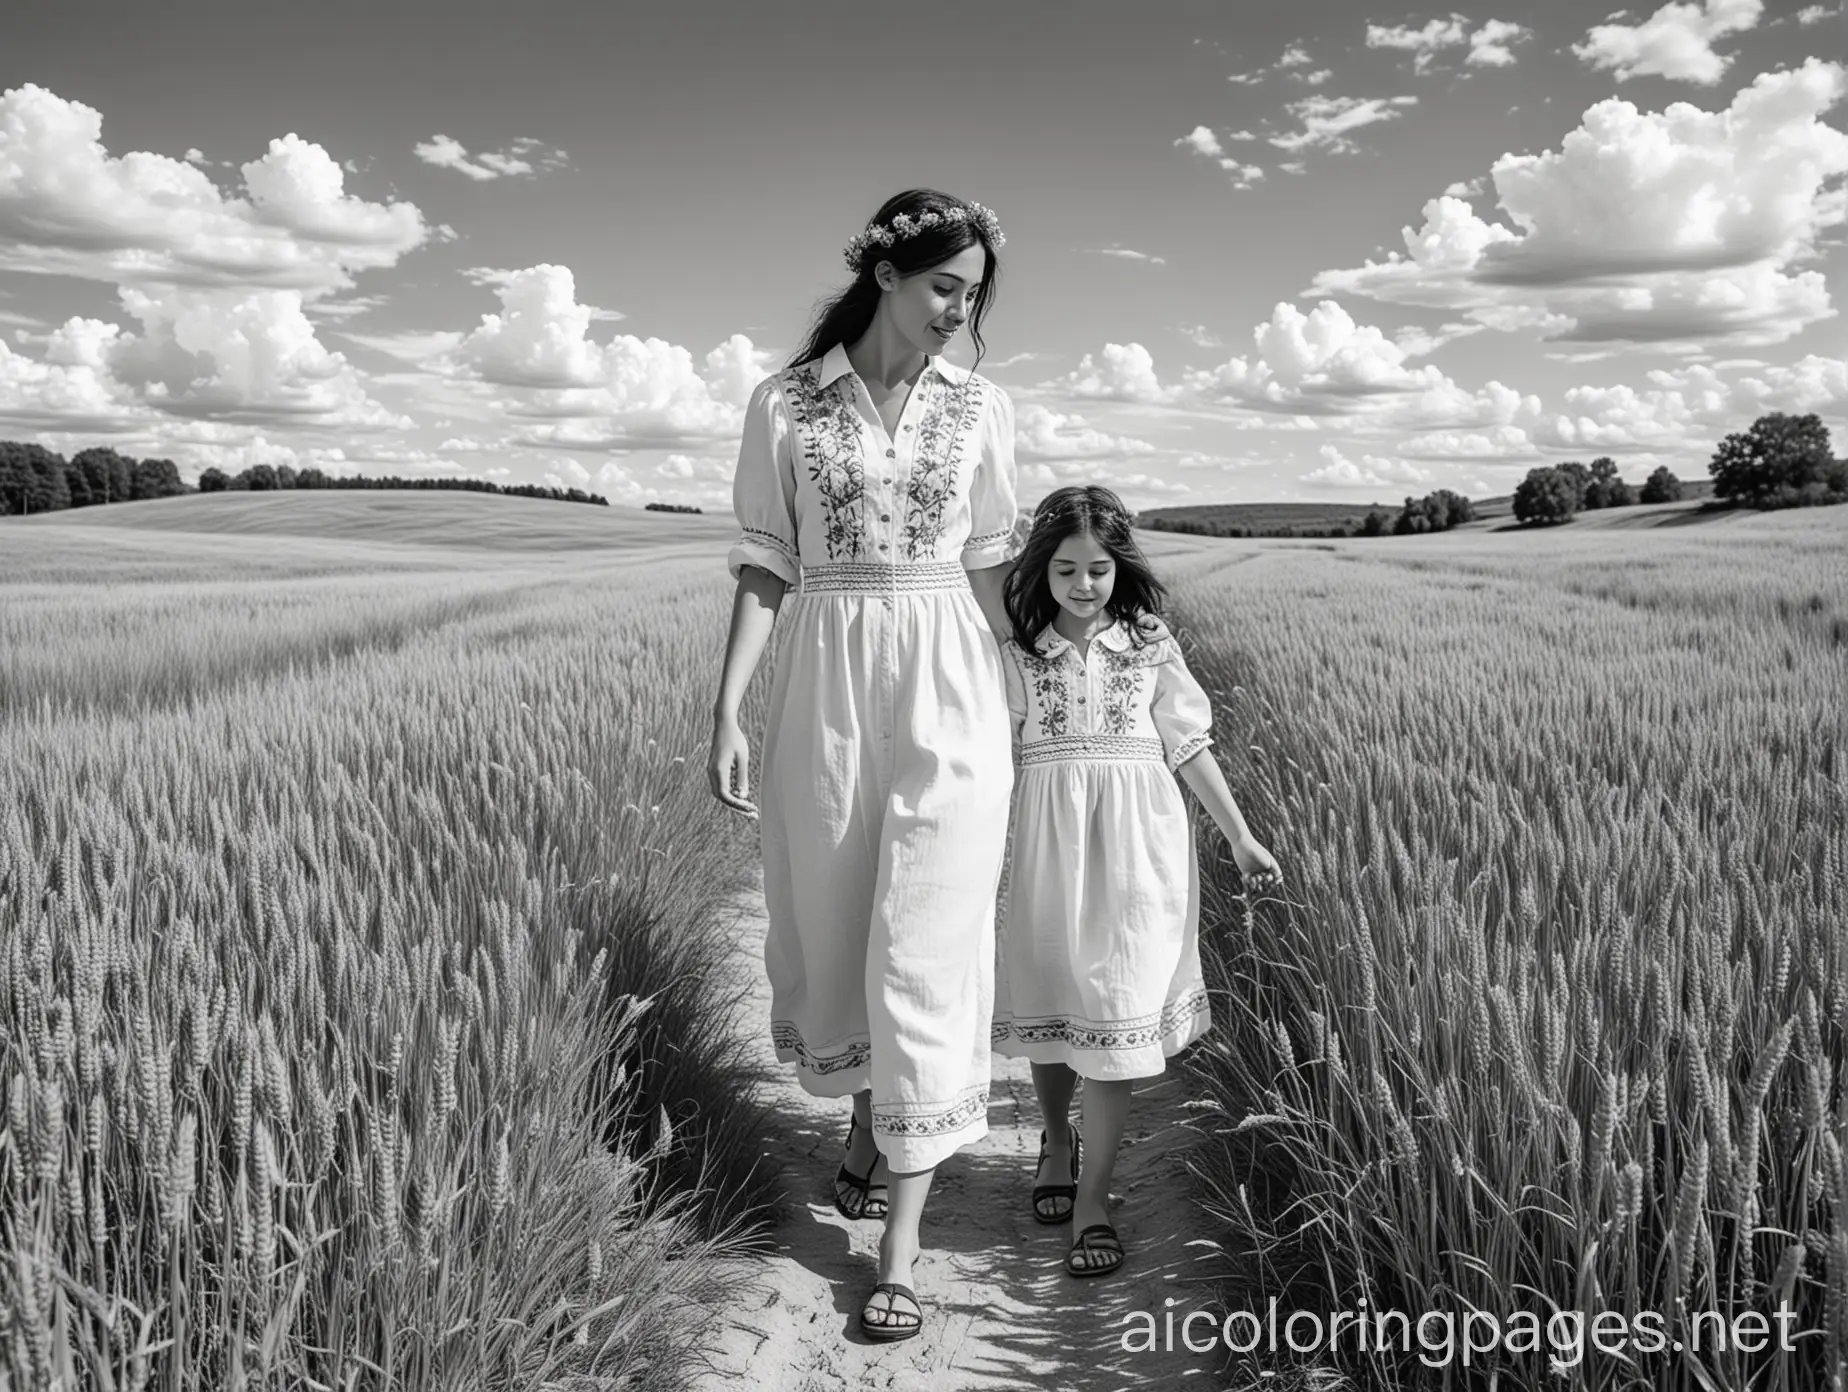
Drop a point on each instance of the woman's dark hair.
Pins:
(847, 315)
(1137, 594)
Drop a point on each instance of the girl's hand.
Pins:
(728, 770)
(1256, 864)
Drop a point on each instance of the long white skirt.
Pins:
(884, 804)
(1098, 962)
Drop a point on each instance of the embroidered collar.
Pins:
(1051, 643)
(834, 365)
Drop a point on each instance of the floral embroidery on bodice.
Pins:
(1120, 700)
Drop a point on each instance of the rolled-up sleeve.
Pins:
(764, 490)
(1182, 713)
(993, 489)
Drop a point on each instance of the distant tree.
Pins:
(1547, 495)
(214, 480)
(155, 478)
(312, 477)
(1606, 489)
(1781, 461)
(1375, 524)
(260, 478)
(1579, 477)
(287, 477)
(1661, 487)
(32, 479)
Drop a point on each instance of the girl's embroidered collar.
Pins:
(1050, 642)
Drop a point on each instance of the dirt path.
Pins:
(999, 1309)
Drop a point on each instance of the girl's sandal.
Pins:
(898, 1324)
(858, 1188)
(1048, 1193)
(1100, 1239)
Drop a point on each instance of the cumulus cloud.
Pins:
(1041, 434)
(625, 394)
(1201, 141)
(1373, 471)
(1121, 372)
(247, 357)
(447, 153)
(68, 207)
(1490, 45)
(1674, 42)
(1717, 208)
(1306, 368)
(1327, 121)
(1316, 363)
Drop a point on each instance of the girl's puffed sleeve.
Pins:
(992, 490)
(764, 490)
(1182, 713)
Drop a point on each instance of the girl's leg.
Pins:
(1054, 1083)
(863, 1155)
(898, 1249)
(1106, 1117)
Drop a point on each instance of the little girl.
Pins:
(1097, 969)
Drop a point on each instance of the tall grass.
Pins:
(1551, 1014)
(361, 1007)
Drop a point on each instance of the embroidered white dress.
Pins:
(885, 775)
(1098, 954)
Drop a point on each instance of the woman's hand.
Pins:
(728, 770)
(1256, 864)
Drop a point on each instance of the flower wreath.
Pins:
(904, 225)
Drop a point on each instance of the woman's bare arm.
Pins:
(755, 605)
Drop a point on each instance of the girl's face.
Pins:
(1081, 575)
(929, 307)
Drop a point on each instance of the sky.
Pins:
(1311, 252)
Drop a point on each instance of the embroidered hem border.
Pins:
(853, 1053)
(870, 577)
(928, 1119)
(1112, 748)
(1091, 1034)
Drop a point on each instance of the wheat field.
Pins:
(345, 916)
(1551, 1013)
(362, 910)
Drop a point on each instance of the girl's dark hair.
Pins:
(847, 315)
(1066, 512)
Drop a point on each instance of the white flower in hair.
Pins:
(904, 225)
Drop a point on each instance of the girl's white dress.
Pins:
(884, 777)
(1098, 958)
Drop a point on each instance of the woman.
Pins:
(878, 482)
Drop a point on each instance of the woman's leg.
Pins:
(898, 1248)
(1106, 1117)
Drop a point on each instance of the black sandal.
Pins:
(888, 1331)
(1044, 1192)
(1098, 1239)
(860, 1188)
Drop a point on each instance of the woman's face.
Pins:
(929, 307)
(1081, 575)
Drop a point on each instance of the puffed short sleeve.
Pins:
(993, 489)
(764, 490)
(1182, 713)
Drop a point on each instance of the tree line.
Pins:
(1780, 461)
(35, 479)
